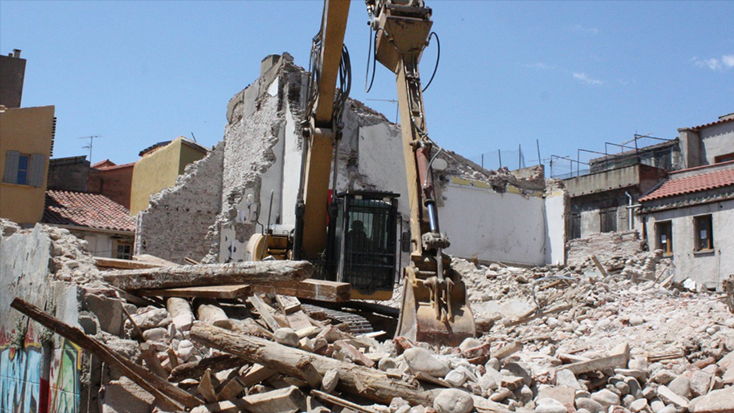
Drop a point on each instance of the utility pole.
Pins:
(91, 144)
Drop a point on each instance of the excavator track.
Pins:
(357, 323)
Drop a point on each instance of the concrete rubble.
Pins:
(586, 337)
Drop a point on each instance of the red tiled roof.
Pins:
(691, 184)
(86, 210)
(726, 119)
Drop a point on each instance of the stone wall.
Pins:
(177, 222)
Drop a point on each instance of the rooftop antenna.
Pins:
(397, 108)
(91, 144)
(193, 136)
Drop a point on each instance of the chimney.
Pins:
(16, 53)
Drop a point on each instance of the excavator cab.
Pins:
(362, 246)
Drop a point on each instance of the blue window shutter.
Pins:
(11, 167)
(38, 167)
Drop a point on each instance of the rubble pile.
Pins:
(610, 336)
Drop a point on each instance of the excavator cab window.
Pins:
(362, 247)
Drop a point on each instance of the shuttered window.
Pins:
(38, 167)
(24, 169)
(11, 167)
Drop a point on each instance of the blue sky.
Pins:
(567, 74)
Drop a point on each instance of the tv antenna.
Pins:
(91, 144)
(397, 108)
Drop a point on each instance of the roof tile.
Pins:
(86, 210)
(691, 184)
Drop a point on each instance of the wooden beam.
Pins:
(369, 383)
(320, 290)
(253, 272)
(204, 291)
(155, 385)
(152, 259)
(116, 263)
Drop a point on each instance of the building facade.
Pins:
(159, 167)
(26, 141)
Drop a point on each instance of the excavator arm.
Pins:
(321, 129)
(434, 307)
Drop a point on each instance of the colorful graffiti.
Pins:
(20, 373)
(24, 375)
(65, 371)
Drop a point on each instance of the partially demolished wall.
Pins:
(40, 371)
(177, 222)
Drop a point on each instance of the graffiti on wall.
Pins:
(24, 375)
(65, 371)
(20, 373)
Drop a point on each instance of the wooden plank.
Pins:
(152, 259)
(298, 320)
(288, 304)
(311, 289)
(206, 389)
(618, 359)
(155, 385)
(258, 272)
(264, 311)
(600, 267)
(203, 291)
(341, 402)
(116, 263)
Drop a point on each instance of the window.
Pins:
(23, 169)
(724, 158)
(574, 226)
(124, 251)
(608, 220)
(24, 162)
(704, 235)
(664, 232)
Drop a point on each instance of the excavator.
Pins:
(351, 236)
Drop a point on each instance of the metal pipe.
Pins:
(629, 210)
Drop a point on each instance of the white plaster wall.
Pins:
(498, 227)
(291, 166)
(100, 245)
(717, 140)
(709, 268)
(381, 159)
(555, 228)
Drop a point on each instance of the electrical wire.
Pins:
(372, 55)
(438, 58)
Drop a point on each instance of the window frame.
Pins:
(611, 220)
(26, 171)
(703, 244)
(123, 255)
(664, 228)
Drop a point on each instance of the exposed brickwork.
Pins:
(178, 219)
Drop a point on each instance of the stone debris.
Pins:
(620, 338)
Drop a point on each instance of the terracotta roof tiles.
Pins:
(691, 184)
(86, 210)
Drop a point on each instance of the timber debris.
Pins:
(553, 340)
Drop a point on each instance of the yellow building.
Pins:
(159, 167)
(26, 136)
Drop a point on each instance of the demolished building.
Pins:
(260, 157)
